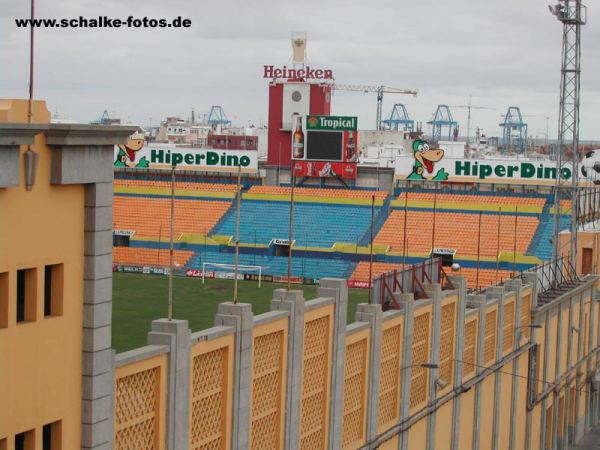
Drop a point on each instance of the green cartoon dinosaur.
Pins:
(128, 152)
(424, 160)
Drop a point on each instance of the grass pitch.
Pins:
(139, 299)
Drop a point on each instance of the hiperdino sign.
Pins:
(158, 156)
(338, 123)
(495, 170)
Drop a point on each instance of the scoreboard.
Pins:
(324, 146)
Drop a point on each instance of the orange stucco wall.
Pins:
(40, 375)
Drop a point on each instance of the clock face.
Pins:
(296, 96)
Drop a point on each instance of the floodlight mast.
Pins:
(572, 14)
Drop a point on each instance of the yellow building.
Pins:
(512, 367)
(55, 280)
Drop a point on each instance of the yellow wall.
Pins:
(564, 340)
(417, 435)
(390, 381)
(211, 389)
(520, 413)
(443, 428)
(487, 413)
(551, 353)
(392, 444)
(142, 384)
(316, 373)
(467, 419)
(505, 400)
(40, 379)
(585, 239)
(269, 366)
(356, 379)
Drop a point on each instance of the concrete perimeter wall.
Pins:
(300, 377)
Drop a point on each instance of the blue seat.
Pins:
(315, 225)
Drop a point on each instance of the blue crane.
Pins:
(217, 116)
(513, 122)
(399, 119)
(442, 118)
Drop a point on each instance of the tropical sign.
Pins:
(331, 123)
(161, 156)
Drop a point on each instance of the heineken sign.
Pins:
(307, 73)
(493, 170)
(332, 123)
(160, 156)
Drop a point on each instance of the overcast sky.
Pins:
(502, 53)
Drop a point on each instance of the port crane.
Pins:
(442, 118)
(379, 90)
(513, 121)
(398, 117)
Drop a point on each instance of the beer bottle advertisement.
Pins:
(298, 140)
(350, 147)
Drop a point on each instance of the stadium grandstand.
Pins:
(149, 257)
(492, 235)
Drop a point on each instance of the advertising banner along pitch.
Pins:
(162, 156)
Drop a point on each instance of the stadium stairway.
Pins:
(226, 216)
(380, 218)
(541, 244)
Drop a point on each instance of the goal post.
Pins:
(231, 267)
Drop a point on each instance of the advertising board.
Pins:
(491, 170)
(325, 146)
(163, 156)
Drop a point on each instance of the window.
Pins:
(51, 436)
(508, 329)
(489, 341)
(53, 290)
(26, 295)
(25, 440)
(3, 303)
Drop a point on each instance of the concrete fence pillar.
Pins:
(478, 301)
(98, 378)
(240, 316)
(176, 335)
(407, 304)
(293, 302)
(515, 286)
(531, 278)
(434, 291)
(460, 284)
(497, 293)
(337, 289)
(373, 315)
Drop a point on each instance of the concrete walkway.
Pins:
(590, 441)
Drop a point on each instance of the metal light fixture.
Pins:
(440, 383)
(424, 366)
(31, 159)
(520, 335)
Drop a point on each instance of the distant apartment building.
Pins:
(232, 142)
